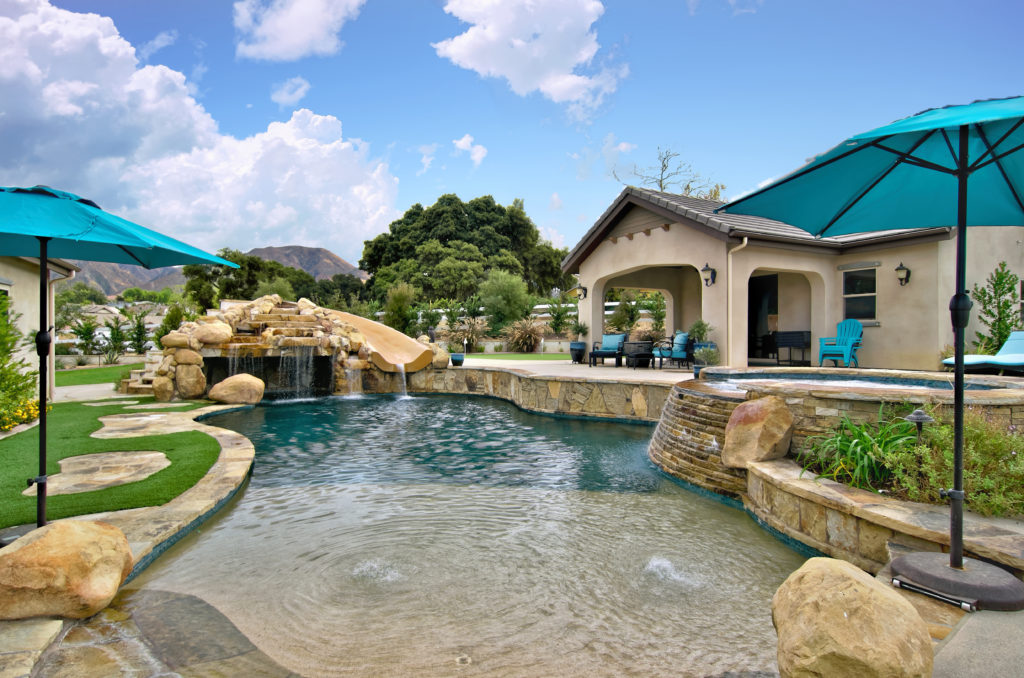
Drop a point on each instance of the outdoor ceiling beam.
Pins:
(899, 160)
(999, 166)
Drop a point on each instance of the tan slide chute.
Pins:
(388, 346)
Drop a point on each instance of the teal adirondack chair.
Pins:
(843, 346)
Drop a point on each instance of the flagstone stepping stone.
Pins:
(89, 472)
(156, 406)
(105, 403)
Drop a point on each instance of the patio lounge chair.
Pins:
(678, 349)
(1009, 357)
(610, 347)
(843, 346)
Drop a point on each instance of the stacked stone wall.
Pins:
(550, 395)
(688, 440)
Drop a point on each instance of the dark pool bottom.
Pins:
(441, 536)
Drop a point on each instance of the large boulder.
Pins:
(834, 619)
(174, 339)
(190, 381)
(163, 388)
(186, 356)
(441, 356)
(238, 389)
(758, 430)
(70, 568)
(213, 333)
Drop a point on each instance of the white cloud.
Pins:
(556, 202)
(78, 113)
(745, 6)
(611, 149)
(552, 235)
(427, 152)
(163, 39)
(290, 92)
(476, 151)
(537, 46)
(286, 30)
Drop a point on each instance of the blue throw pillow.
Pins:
(679, 343)
(610, 342)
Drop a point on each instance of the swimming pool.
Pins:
(454, 535)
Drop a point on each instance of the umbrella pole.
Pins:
(960, 311)
(43, 351)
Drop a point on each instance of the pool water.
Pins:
(438, 536)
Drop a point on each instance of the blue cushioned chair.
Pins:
(843, 346)
(610, 347)
(678, 349)
(1009, 357)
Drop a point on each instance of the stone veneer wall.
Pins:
(551, 395)
(688, 440)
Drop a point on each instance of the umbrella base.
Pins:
(979, 585)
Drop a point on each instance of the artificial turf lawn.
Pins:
(92, 375)
(67, 434)
(519, 356)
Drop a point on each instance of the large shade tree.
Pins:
(446, 249)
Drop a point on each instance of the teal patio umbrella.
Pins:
(956, 166)
(44, 222)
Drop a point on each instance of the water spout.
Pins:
(401, 380)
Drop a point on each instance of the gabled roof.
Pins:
(728, 227)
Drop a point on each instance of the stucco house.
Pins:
(19, 281)
(763, 275)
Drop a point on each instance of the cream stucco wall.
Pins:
(644, 250)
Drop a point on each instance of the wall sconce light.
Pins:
(708, 274)
(902, 274)
(580, 292)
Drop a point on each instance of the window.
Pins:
(859, 294)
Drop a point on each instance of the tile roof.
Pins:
(702, 212)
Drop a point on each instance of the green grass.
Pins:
(519, 356)
(68, 427)
(92, 375)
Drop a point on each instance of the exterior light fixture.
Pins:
(902, 274)
(918, 418)
(580, 292)
(708, 274)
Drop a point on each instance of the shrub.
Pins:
(172, 320)
(15, 409)
(559, 311)
(578, 328)
(700, 330)
(17, 381)
(854, 453)
(84, 330)
(505, 298)
(706, 356)
(626, 314)
(524, 335)
(398, 311)
(1000, 308)
(465, 334)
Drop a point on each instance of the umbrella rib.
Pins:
(999, 166)
(997, 158)
(806, 170)
(901, 158)
(981, 162)
(130, 254)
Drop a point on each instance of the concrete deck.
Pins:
(979, 644)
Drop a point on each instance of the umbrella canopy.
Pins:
(954, 166)
(79, 229)
(44, 222)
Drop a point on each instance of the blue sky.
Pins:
(317, 122)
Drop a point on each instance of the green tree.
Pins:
(84, 330)
(505, 298)
(116, 342)
(137, 335)
(279, 286)
(558, 309)
(398, 311)
(655, 305)
(17, 379)
(80, 293)
(172, 320)
(626, 314)
(1000, 308)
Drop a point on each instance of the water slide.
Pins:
(389, 347)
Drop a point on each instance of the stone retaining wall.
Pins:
(550, 395)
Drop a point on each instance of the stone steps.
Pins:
(284, 317)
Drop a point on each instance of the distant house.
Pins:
(769, 276)
(19, 280)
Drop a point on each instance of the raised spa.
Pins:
(451, 535)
